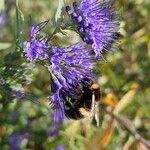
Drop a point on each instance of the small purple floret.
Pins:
(75, 6)
(35, 49)
(68, 9)
(60, 147)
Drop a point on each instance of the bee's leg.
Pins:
(97, 113)
(92, 112)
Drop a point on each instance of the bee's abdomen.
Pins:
(73, 114)
(80, 107)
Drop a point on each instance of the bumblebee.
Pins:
(86, 104)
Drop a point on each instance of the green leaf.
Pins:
(20, 22)
(4, 45)
(12, 58)
(59, 13)
(32, 98)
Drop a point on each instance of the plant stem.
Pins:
(129, 126)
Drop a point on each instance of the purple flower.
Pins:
(69, 67)
(36, 48)
(60, 147)
(15, 141)
(53, 132)
(18, 94)
(96, 22)
(3, 21)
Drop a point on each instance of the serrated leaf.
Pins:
(20, 21)
(59, 13)
(4, 45)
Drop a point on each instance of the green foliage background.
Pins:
(128, 65)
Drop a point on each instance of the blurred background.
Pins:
(124, 80)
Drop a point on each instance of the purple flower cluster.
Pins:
(72, 67)
(35, 49)
(96, 22)
(15, 140)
